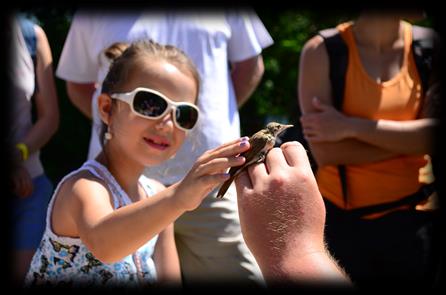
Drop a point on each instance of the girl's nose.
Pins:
(166, 122)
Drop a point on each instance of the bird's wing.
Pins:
(257, 143)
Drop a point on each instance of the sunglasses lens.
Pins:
(186, 116)
(149, 104)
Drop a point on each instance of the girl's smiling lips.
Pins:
(157, 142)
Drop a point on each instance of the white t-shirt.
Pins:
(212, 39)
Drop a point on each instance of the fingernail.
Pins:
(244, 143)
(245, 138)
(225, 175)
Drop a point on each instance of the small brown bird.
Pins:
(261, 142)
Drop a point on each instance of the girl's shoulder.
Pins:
(78, 192)
(82, 178)
(82, 185)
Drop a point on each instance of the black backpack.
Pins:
(423, 49)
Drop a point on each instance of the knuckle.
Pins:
(277, 180)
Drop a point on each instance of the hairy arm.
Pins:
(282, 218)
(314, 82)
(246, 76)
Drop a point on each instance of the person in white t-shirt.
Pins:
(226, 47)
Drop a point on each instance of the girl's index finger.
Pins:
(238, 140)
(232, 149)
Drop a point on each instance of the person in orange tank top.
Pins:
(382, 140)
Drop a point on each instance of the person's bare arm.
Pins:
(46, 100)
(314, 82)
(411, 137)
(282, 217)
(246, 76)
(83, 208)
(166, 259)
(165, 256)
(81, 95)
(47, 110)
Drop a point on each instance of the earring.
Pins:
(107, 134)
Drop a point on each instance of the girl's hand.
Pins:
(208, 172)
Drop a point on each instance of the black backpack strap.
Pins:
(422, 194)
(338, 57)
(337, 52)
(423, 51)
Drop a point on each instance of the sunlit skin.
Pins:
(127, 152)
(124, 124)
(83, 207)
(137, 140)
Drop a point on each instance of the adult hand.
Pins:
(327, 124)
(22, 183)
(282, 217)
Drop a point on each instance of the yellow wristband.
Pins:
(23, 150)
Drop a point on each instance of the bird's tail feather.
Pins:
(224, 187)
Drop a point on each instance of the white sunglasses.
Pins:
(151, 104)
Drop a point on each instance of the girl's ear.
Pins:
(105, 107)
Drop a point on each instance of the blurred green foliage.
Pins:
(276, 96)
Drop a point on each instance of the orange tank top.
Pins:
(396, 99)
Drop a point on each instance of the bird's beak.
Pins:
(283, 127)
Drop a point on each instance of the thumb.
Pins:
(318, 104)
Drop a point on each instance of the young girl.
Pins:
(107, 224)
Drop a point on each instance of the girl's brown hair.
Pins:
(124, 57)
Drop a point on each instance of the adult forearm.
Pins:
(303, 260)
(41, 133)
(404, 137)
(81, 95)
(313, 268)
(166, 258)
(348, 151)
(246, 76)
